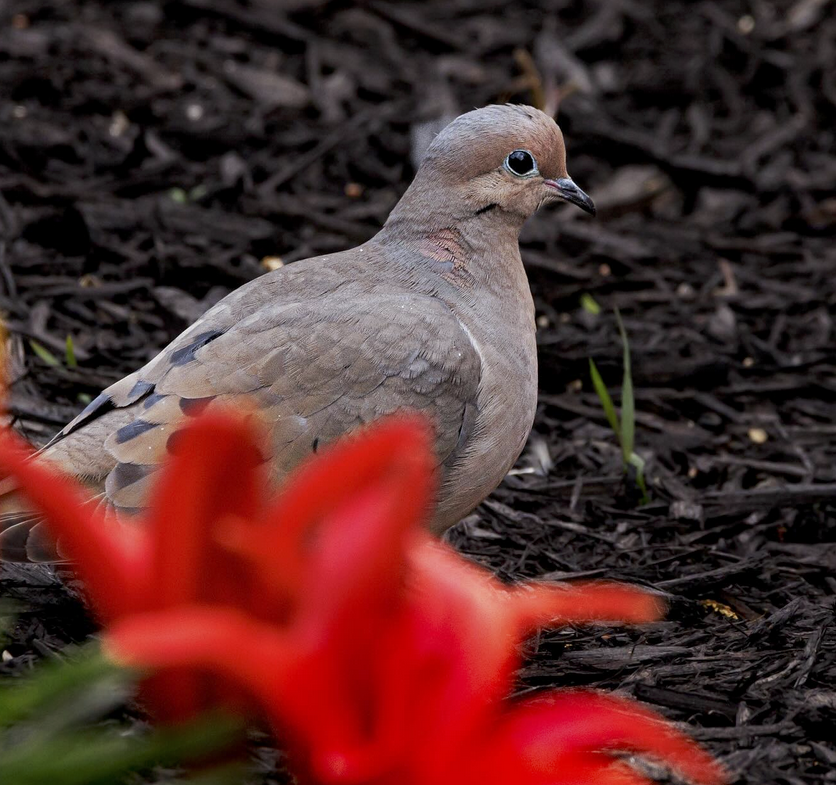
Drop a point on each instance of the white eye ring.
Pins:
(520, 158)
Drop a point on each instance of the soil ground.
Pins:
(155, 155)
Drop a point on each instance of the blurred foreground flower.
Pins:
(377, 653)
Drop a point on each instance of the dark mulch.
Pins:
(153, 153)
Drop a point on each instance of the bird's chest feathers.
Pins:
(508, 385)
(490, 295)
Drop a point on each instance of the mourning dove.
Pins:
(433, 313)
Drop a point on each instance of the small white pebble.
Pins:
(685, 291)
(119, 123)
(194, 112)
(89, 281)
(746, 24)
(758, 435)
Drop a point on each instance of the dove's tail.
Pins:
(24, 538)
(23, 535)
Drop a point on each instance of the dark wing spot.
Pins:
(100, 405)
(139, 389)
(126, 474)
(486, 208)
(192, 407)
(152, 399)
(186, 353)
(132, 430)
(316, 444)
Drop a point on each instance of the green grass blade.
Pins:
(8, 611)
(55, 682)
(69, 353)
(604, 397)
(51, 729)
(628, 403)
(589, 304)
(47, 356)
(99, 757)
(637, 462)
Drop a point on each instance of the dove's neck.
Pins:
(470, 245)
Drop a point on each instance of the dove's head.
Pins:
(509, 159)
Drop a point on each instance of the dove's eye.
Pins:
(521, 163)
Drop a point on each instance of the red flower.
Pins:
(378, 654)
(212, 537)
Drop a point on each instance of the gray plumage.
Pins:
(434, 313)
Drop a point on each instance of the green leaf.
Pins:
(628, 403)
(69, 353)
(197, 193)
(178, 195)
(47, 356)
(53, 683)
(9, 609)
(102, 757)
(637, 462)
(604, 397)
(589, 304)
(51, 729)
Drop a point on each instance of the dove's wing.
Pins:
(315, 369)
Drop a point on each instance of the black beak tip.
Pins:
(570, 192)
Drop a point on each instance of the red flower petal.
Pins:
(225, 641)
(358, 553)
(537, 736)
(213, 478)
(381, 656)
(457, 603)
(110, 558)
(395, 452)
(283, 681)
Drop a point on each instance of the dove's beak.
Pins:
(566, 189)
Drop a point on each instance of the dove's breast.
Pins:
(504, 411)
